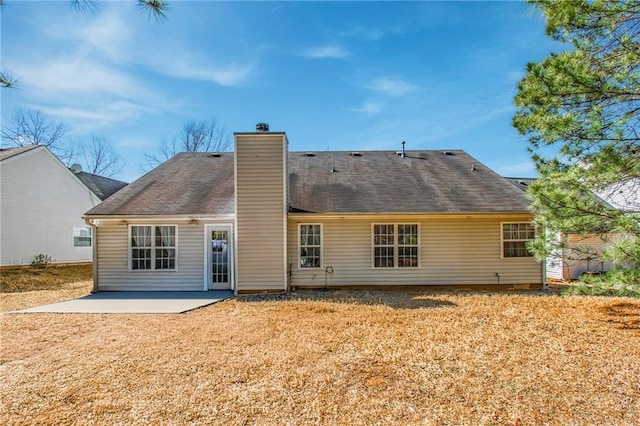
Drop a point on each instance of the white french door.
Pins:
(219, 257)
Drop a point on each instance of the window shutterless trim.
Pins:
(395, 246)
(300, 246)
(153, 248)
(516, 240)
(75, 235)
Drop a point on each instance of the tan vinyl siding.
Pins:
(113, 260)
(260, 212)
(453, 251)
(588, 262)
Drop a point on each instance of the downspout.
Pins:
(94, 268)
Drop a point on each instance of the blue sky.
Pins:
(333, 75)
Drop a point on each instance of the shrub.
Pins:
(41, 261)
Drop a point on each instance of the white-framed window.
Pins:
(153, 247)
(310, 245)
(515, 237)
(82, 236)
(396, 245)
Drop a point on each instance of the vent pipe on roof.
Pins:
(403, 153)
(262, 127)
(473, 167)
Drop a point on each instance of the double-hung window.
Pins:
(515, 237)
(153, 247)
(82, 236)
(395, 245)
(310, 246)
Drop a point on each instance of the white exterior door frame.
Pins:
(210, 256)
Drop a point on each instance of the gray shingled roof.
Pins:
(384, 182)
(327, 182)
(187, 184)
(102, 186)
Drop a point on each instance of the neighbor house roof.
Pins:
(522, 183)
(327, 182)
(6, 153)
(102, 186)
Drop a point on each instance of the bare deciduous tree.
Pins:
(31, 127)
(196, 136)
(99, 157)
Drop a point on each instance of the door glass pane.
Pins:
(219, 257)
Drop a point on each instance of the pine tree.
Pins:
(580, 110)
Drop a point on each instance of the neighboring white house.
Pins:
(624, 195)
(41, 207)
(265, 219)
(583, 252)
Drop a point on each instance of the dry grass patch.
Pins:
(332, 357)
(27, 287)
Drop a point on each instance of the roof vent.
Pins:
(473, 167)
(447, 153)
(309, 154)
(76, 168)
(356, 154)
(262, 127)
(216, 155)
(399, 153)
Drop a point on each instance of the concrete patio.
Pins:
(131, 302)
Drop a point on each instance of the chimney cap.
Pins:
(262, 127)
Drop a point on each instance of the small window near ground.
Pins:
(153, 247)
(395, 245)
(515, 237)
(310, 246)
(82, 236)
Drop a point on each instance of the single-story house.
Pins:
(265, 219)
(41, 207)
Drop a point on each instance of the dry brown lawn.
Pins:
(332, 357)
(27, 287)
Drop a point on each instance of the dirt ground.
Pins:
(356, 357)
